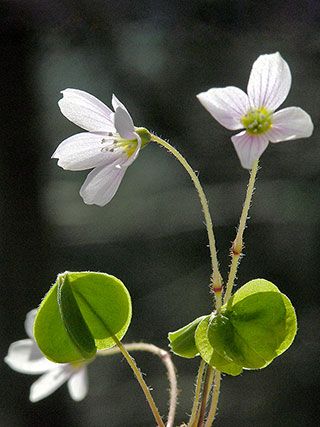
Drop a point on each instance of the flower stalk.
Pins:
(216, 279)
(237, 246)
(195, 408)
(214, 401)
(205, 395)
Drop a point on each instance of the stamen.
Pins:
(257, 121)
(117, 144)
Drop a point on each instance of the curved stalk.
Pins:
(167, 361)
(216, 278)
(141, 381)
(237, 247)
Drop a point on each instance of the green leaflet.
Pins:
(256, 326)
(210, 354)
(82, 312)
(182, 341)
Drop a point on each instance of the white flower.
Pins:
(111, 145)
(268, 86)
(25, 356)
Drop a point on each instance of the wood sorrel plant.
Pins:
(86, 314)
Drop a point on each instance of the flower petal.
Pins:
(50, 382)
(269, 82)
(249, 148)
(290, 123)
(116, 104)
(123, 123)
(78, 384)
(86, 111)
(83, 151)
(102, 184)
(227, 105)
(25, 357)
(28, 323)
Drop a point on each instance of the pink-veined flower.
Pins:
(268, 86)
(24, 356)
(110, 146)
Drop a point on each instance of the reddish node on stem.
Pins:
(236, 248)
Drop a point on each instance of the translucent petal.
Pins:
(24, 356)
(134, 155)
(78, 384)
(269, 82)
(83, 151)
(28, 324)
(86, 111)
(124, 124)
(290, 123)
(116, 104)
(227, 105)
(102, 184)
(249, 148)
(50, 382)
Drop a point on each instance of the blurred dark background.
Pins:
(156, 56)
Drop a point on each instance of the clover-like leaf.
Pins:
(263, 319)
(257, 325)
(82, 312)
(214, 356)
(182, 341)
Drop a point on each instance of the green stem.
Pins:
(195, 408)
(216, 278)
(205, 395)
(237, 247)
(141, 381)
(165, 357)
(215, 398)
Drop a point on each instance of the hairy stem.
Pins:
(237, 247)
(195, 408)
(216, 277)
(165, 358)
(215, 398)
(205, 395)
(122, 348)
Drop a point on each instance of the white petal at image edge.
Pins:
(290, 123)
(25, 357)
(28, 323)
(78, 384)
(50, 382)
(227, 105)
(249, 148)
(269, 82)
(86, 111)
(102, 184)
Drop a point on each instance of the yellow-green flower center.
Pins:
(257, 121)
(130, 145)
